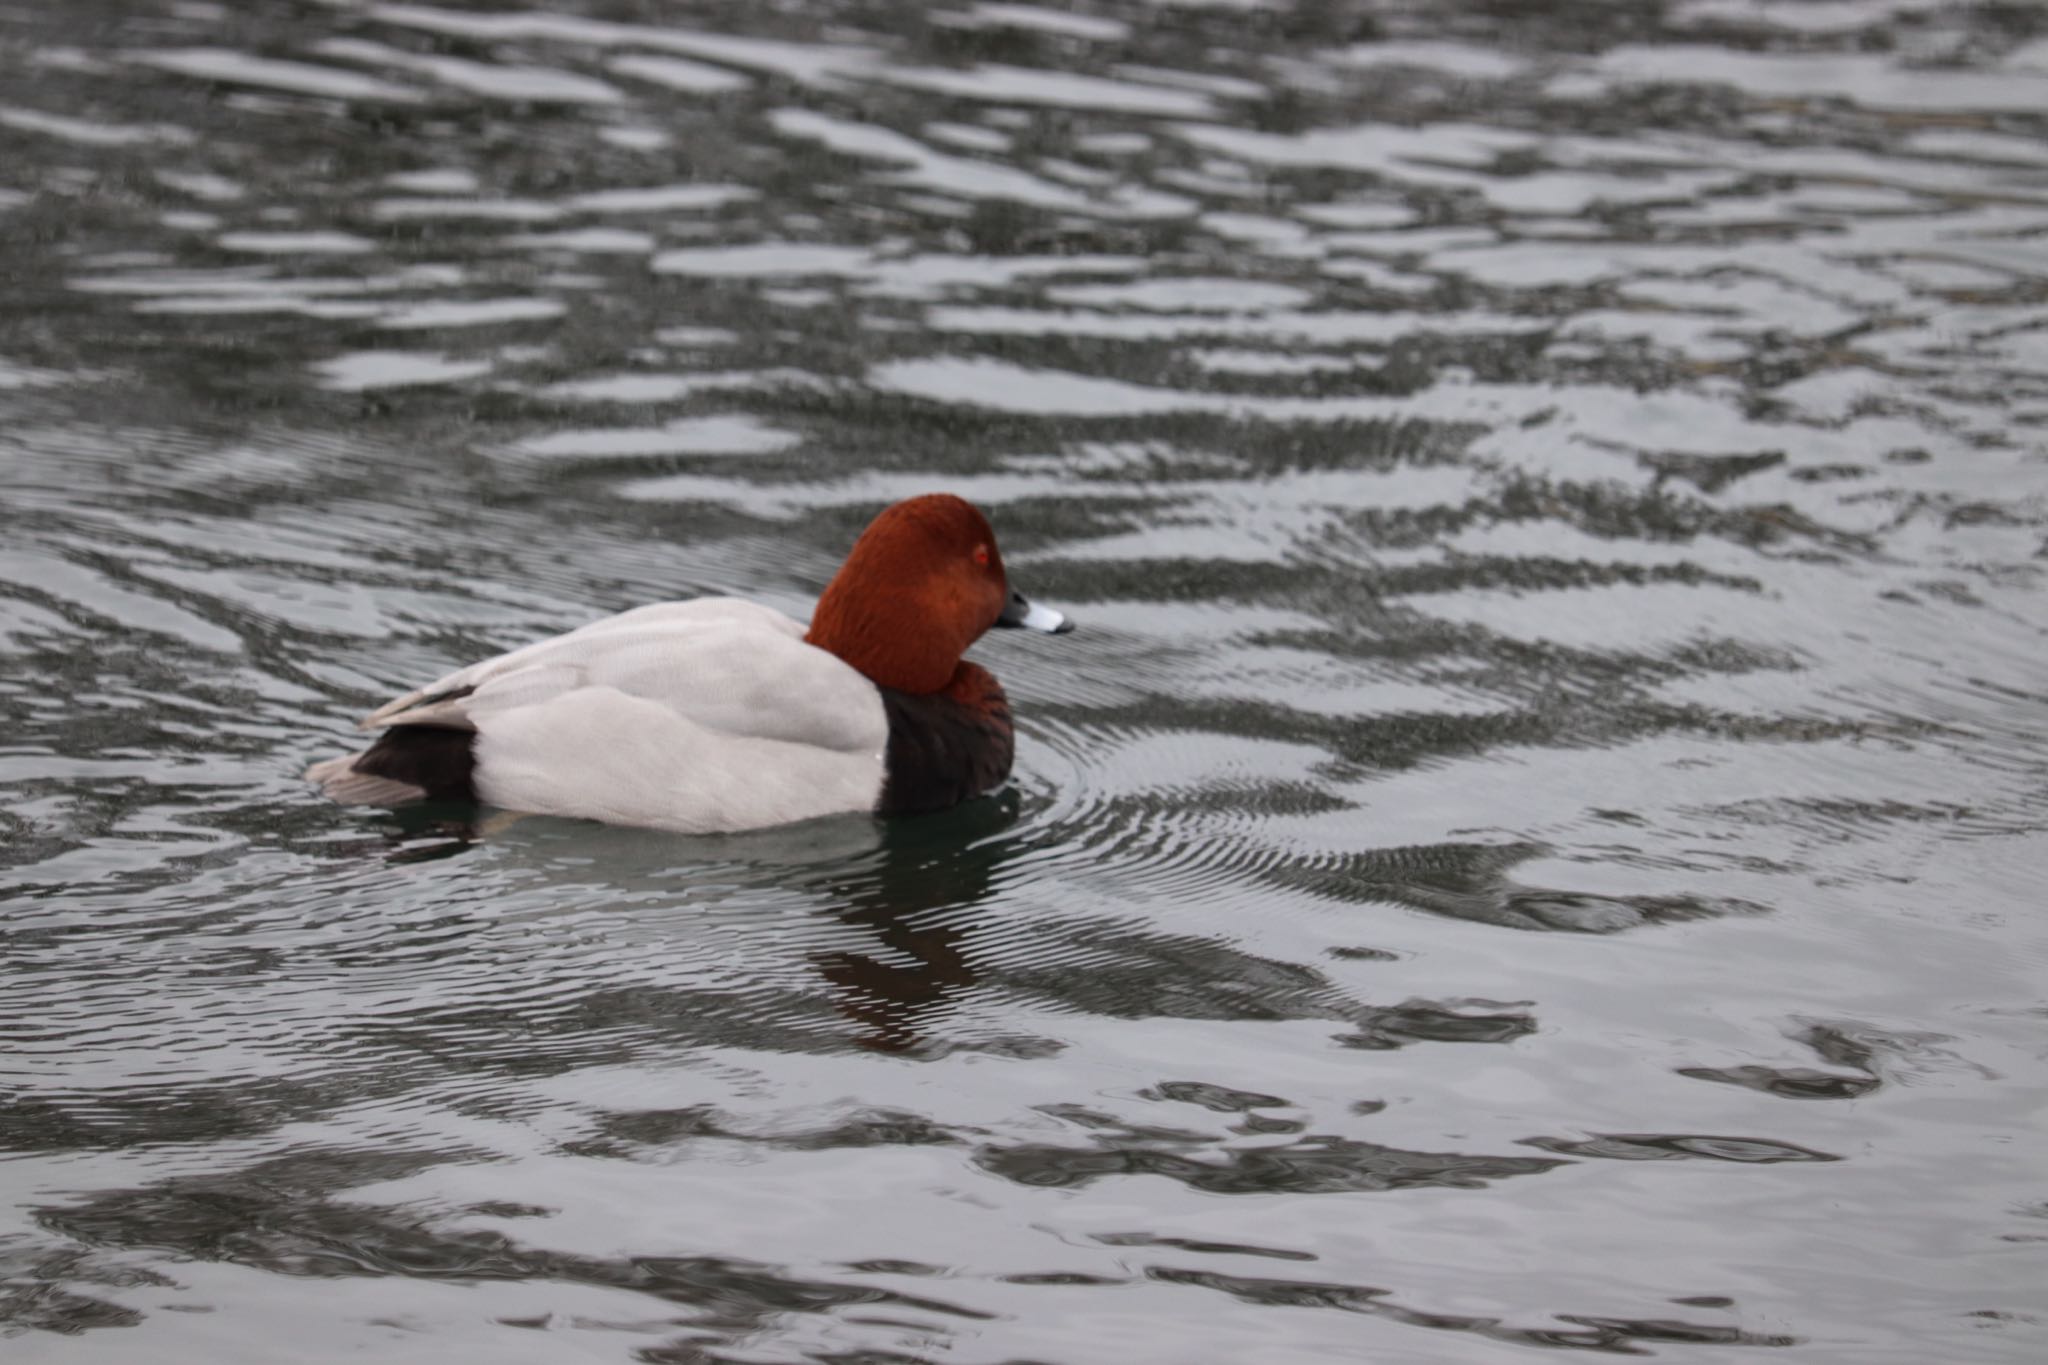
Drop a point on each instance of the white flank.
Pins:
(699, 717)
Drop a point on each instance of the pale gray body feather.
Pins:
(698, 716)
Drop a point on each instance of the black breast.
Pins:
(943, 751)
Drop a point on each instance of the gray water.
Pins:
(1537, 845)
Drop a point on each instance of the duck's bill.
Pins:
(1023, 614)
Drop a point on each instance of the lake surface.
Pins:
(1537, 845)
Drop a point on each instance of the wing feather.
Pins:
(730, 666)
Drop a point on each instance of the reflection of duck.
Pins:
(892, 912)
(721, 714)
(915, 895)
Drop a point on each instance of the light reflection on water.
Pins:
(1535, 846)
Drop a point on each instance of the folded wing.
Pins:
(732, 666)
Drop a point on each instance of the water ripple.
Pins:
(1553, 507)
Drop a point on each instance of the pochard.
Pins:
(720, 714)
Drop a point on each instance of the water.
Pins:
(1537, 844)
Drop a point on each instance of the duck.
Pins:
(719, 714)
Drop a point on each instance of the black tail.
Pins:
(407, 763)
(438, 759)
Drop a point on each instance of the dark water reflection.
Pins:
(1538, 846)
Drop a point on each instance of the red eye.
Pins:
(981, 554)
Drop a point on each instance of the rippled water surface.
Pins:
(1536, 847)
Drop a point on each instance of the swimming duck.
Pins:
(720, 714)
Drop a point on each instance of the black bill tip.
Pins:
(1020, 613)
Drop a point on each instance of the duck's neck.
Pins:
(919, 661)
